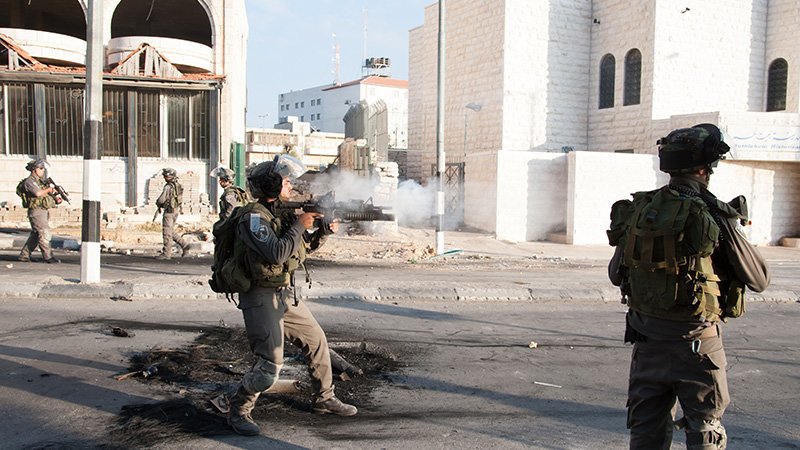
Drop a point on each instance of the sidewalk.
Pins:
(477, 268)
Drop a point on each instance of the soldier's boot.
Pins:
(24, 256)
(163, 256)
(333, 406)
(241, 404)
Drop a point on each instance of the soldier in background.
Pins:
(232, 195)
(38, 197)
(170, 202)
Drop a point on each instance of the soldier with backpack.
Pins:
(38, 197)
(682, 267)
(263, 248)
(232, 195)
(170, 202)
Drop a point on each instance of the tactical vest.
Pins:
(241, 197)
(261, 273)
(31, 201)
(667, 240)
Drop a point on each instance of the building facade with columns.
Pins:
(574, 95)
(174, 91)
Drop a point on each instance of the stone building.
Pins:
(573, 95)
(174, 91)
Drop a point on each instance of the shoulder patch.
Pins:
(260, 230)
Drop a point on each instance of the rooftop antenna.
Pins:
(365, 17)
(336, 60)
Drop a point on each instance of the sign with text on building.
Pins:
(763, 142)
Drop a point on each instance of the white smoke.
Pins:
(413, 204)
(346, 185)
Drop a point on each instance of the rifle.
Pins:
(60, 195)
(158, 210)
(347, 211)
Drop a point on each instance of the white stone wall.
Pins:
(545, 74)
(783, 22)
(621, 127)
(594, 184)
(772, 190)
(475, 34)
(481, 191)
(532, 195)
(709, 58)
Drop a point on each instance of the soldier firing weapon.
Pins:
(347, 211)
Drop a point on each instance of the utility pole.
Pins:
(440, 156)
(92, 142)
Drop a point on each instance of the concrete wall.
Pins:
(595, 182)
(772, 190)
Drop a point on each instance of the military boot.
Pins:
(333, 406)
(241, 403)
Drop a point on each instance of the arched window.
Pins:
(607, 66)
(777, 78)
(633, 77)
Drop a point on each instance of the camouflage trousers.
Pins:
(663, 371)
(270, 315)
(40, 234)
(168, 233)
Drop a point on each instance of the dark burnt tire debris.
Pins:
(190, 377)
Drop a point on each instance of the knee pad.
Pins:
(705, 435)
(261, 376)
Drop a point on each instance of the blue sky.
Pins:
(291, 44)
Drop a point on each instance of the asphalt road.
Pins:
(467, 377)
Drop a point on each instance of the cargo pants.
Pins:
(168, 233)
(40, 234)
(663, 371)
(271, 314)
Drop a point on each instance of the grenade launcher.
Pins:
(347, 211)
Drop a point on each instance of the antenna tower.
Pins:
(365, 17)
(336, 60)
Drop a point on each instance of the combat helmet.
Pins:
(168, 172)
(266, 179)
(223, 173)
(687, 149)
(36, 164)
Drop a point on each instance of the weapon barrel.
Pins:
(365, 216)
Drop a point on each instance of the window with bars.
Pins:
(115, 122)
(633, 78)
(63, 120)
(34, 115)
(147, 124)
(201, 125)
(607, 68)
(777, 78)
(21, 119)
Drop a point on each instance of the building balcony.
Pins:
(49, 48)
(187, 56)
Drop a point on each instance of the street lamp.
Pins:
(263, 120)
(474, 107)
